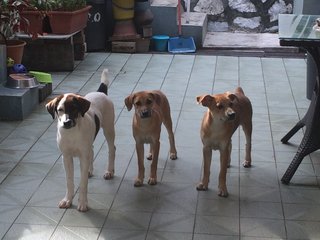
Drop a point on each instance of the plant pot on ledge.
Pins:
(34, 23)
(64, 22)
(15, 50)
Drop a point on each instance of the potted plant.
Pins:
(35, 16)
(9, 24)
(57, 16)
(69, 16)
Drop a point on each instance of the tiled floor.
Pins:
(258, 207)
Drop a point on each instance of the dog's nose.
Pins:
(231, 115)
(68, 123)
(145, 114)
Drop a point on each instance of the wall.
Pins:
(306, 7)
(243, 15)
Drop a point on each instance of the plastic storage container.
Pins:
(160, 43)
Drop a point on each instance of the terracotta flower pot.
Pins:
(15, 50)
(32, 22)
(63, 22)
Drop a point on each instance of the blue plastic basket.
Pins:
(181, 45)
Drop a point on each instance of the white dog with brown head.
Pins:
(79, 120)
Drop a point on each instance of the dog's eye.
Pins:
(138, 103)
(60, 110)
(149, 101)
(219, 106)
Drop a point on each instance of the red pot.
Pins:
(32, 22)
(63, 22)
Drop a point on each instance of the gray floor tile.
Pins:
(4, 227)
(29, 183)
(115, 234)
(269, 194)
(26, 231)
(76, 233)
(265, 228)
(168, 236)
(92, 218)
(9, 213)
(165, 222)
(14, 197)
(302, 230)
(302, 195)
(32, 169)
(269, 210)
(128, 220)
(218, 207)
(45, 198)
(217, 225)
(301, 212)
(40, 216)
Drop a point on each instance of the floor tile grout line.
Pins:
(116, 194)
(274, 151)
(160, 87)
(178, 118)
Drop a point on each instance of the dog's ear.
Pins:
(129, 102)
(156, 97)
(233, 97)
(52, 105)
(83, 104)
(205, 100)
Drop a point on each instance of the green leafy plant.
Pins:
(71, 5)
(10, 18)
(44, 5)
(58, 5)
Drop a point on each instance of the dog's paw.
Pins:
(246, 164)
(138, 182)
(202, 187)
(152, 181)
(149, 157)
(82, 207)
(64, 203)
(173, 156)
(108, 175)
(223, 192)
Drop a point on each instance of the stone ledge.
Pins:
(53, 52)
(17, 104)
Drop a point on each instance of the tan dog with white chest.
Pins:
(225, 113)
(151, 110)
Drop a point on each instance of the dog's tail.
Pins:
(104, 82)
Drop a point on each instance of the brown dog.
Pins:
(151, 110)
(225, 113)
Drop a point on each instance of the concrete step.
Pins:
(165, 21)
(195, 25)
(257, 44)
(164, 17)
(17, 104)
